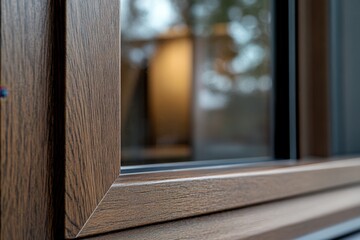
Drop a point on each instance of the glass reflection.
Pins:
(195, 80)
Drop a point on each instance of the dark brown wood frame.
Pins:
(92, 106)
(31, 207)
(97, 200)
(283, 219)
(137, 200)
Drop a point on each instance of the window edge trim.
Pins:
(201, 192)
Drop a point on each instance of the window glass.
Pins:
(195, 80)
(345, 72)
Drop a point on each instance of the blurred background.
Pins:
(196, 80)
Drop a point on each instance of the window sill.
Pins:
(285, 219)
(141, 199)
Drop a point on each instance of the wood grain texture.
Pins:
(313, 78)
(285, 219)
(148, 199)
(26, 119)
(92, 108)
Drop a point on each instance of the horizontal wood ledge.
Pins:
(286, 219)
(149, 200)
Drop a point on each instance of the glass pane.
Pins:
(345, 73)
(196, 80)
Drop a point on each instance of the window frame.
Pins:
(98, 200)
(143, 199)
(294, 218)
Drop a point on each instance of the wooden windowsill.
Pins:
(285, 219)
(137, 200)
